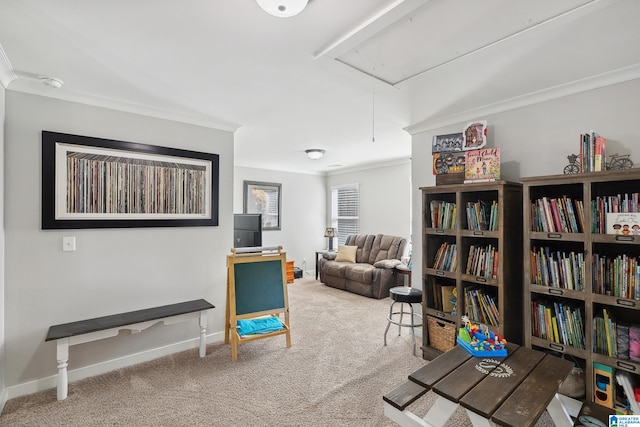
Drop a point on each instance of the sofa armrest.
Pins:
(330, 255)
(387, 263)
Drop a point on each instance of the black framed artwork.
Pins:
(102, 183)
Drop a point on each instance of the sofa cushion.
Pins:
(334, 268)
(346, 254)
(362, 273)
(364, 243)
(386, 247)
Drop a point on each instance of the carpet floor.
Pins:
(334, 374)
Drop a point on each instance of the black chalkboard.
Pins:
(258, 286)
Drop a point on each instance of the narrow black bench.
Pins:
(98, 328)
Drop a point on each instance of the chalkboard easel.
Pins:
(256, 287)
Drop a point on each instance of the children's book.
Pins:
(482, 165)
(448, 162)
(443, 143)
(474, 135)
(623, 223)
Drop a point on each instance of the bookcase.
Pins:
(471, 243)
(578, 278)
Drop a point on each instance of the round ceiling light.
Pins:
(283, 8)
(314, 153)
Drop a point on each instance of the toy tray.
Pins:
(484, 353)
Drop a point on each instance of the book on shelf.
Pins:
(447, 298)
(482, 165)
(592, 157)
(448, 162)
(623, 223)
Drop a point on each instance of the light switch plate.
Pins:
(69, 244)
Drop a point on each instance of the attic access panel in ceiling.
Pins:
(437, 33)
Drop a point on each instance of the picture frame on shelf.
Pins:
(92, 182)
(264, 198)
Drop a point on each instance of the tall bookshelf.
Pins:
(478, 283)
(578, 280)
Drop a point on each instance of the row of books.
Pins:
(559, 323)
(443, 214)
(481, 307)
(604, 335)
(616, 276)
(592, 157)
(559, 215)
(446, 258)
(603, 205)
(483, 261)
(615, 339)
(443, 297)
(481, 216)
(557, 269)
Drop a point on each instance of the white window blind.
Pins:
(345, 210)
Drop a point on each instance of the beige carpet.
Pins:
(334, 374)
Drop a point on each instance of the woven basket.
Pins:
(442, 335)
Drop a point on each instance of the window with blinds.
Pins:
(345, 210)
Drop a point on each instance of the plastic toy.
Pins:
(480, 341)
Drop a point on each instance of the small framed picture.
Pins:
(264, 198)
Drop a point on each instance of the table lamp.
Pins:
(330, 232)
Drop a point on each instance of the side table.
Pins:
(402, 270)
(318, 255)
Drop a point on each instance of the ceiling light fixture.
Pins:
(314, 153)
(283, 8)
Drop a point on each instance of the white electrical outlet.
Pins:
(69, 244)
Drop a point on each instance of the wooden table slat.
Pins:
(440, 367)
(404, 395)
(527, 403)
(467, 376)
(487, 396)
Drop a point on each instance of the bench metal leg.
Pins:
(62, 356)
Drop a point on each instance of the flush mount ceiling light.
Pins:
(283, 8)
(314, 153)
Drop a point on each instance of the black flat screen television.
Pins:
(247, 230)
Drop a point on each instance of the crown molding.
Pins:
(7, 75)
(128, 107)
(586, 84)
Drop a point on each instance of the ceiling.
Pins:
(351, 77)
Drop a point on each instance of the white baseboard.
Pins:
(42, 384)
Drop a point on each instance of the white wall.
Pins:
(385, 193)
(535, 140)
(3, 392)
(113, 270)
(303, 212)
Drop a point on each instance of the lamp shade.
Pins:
(283, 8)
(330, 232)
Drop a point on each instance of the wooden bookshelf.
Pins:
(586, 293)
(498, 281)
